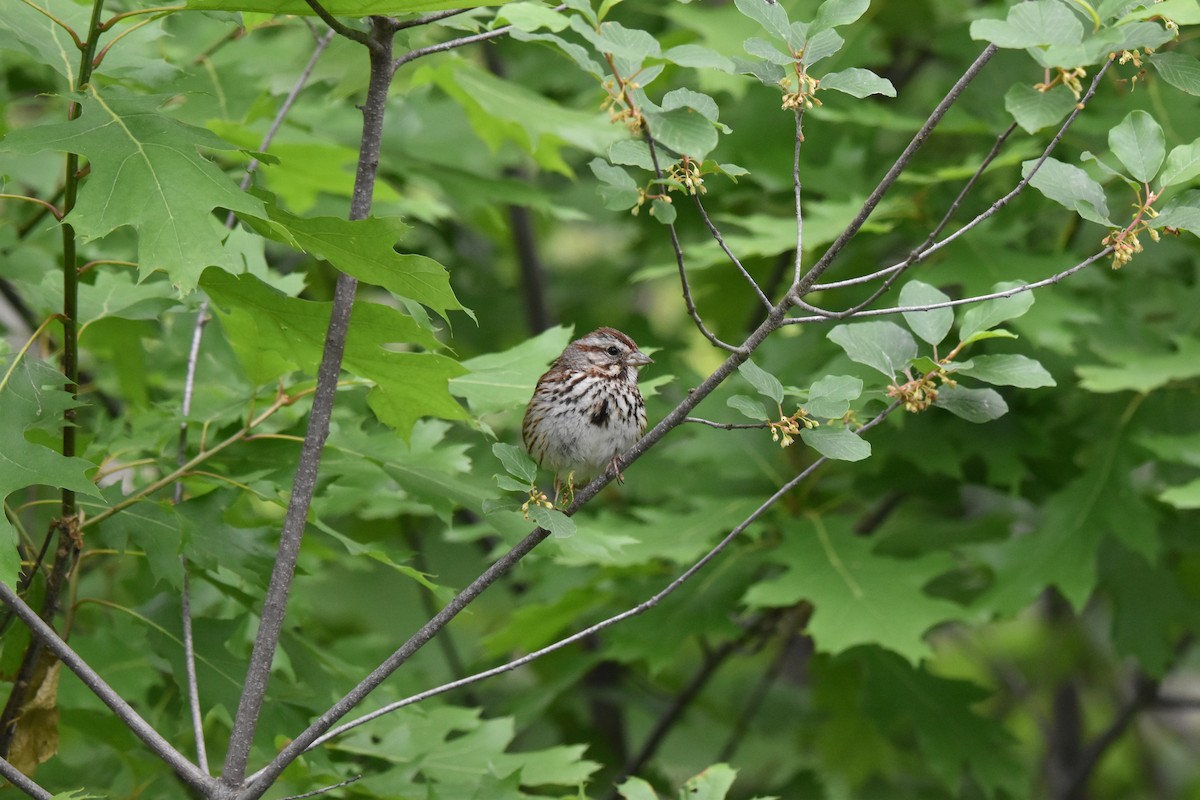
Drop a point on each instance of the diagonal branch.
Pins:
(641, 608)
(189, 772)
(805, 284)
(18, 779)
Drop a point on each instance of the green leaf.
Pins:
(663, 210)
(686, 131)
(1149, 606)
(1134, 369)
(1008, 370)
(636, 789)
(553, 520)
(1031, 24)
(770, 16)
(1070, 186)
(830, 396)
(147, 174)
(933, 325)
(699, 57)
(365, 249)
(273, 334)
(516, 462)
(883, 346)
(751, 407)
(1138, 142)
(631, 153)
(768, 51)
(859, 596)
(1182, 211)
(1185, 496)
(503, 111)
(973, 405)
(991, 313)
(766, 383)
(1184, 12)
(618, 190)
(952, 738)
(1061, 550)
(821, 45)
(530, 17)
(505, 380)
(998, 333)
(834, 13)
(1178, 69)
(31, 395)
(339, 8)
(1183, 164)
(617, 40)
(711, 784)
(858, 83)
(1034, 109)
(837, 443)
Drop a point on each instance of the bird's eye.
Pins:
(612, 350)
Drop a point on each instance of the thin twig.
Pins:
(825, 316)
(725, 426)
(316, 792)
(353, 34)
(187, 771)
(18, 779)
(716, 234)
(189, 640)
(421, 52)
(437, 16)
(684, 284)
(796, 188)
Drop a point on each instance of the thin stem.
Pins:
(18, 779)
(684, 284)
(58, 215)
(70, 31)
(33, 337)
(824, 316)
(437, 16)
(275, 603)
(353, 34)
(726, 426)
(160, 10)
(183, 470)
(796, 188)
(716, 234)
(325, 789)
(186, 770)
(421, 52)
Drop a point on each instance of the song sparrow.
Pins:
(587, 410)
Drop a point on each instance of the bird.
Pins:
(587, 410)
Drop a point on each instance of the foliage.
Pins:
(919, 520)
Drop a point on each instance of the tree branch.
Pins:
(18, 779)
(353, 34)
(189, 772)
(825, 316)
(275, 603)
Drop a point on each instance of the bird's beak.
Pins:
(638, 359)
